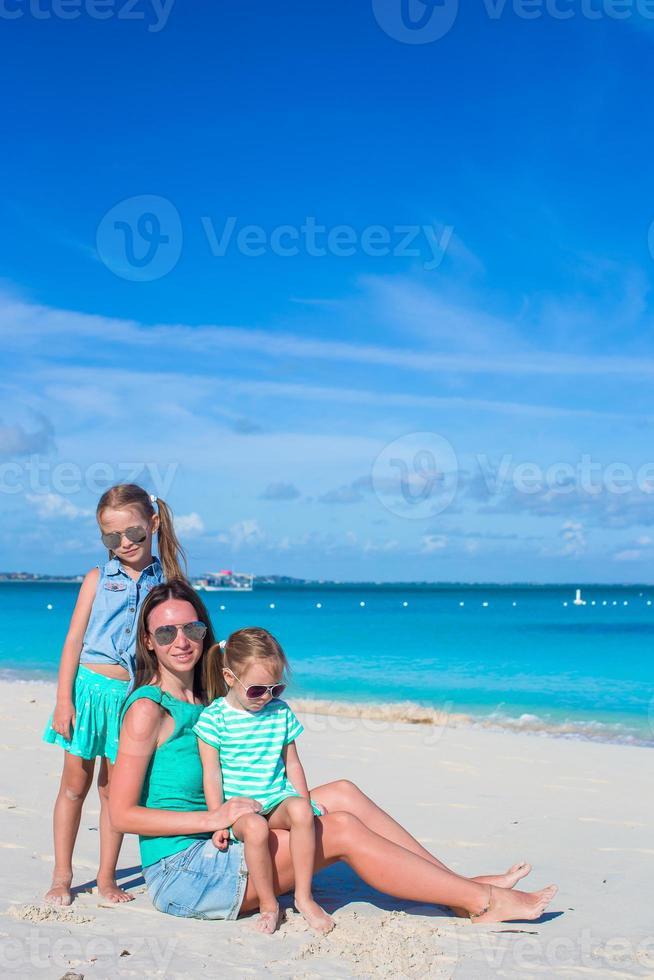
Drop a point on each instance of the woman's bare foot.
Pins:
(315, 916)
(506, 905)
(109, 890)
(509, 879)
(59, 892)
(268, 920)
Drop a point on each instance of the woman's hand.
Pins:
(63, 718)
(229, 812)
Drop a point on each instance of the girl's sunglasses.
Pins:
(256, 691)
(165, 635)
(112, 539)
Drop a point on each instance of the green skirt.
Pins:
(97, 700)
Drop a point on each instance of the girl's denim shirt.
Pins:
(110, 636)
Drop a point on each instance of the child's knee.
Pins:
(252, 828)
(300, 811)
(75, 788)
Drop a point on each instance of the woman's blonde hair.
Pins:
(249, 644)
(171, 553)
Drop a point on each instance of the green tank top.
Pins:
(173, 780)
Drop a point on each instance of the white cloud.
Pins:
(629, 554)
(49, 506)
(189, 524)
(574, 539)
(432, 542)
(243, 534)
(280, 491)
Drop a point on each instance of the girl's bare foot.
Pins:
(59, 892)
(509, 879)
(268, 920)
(109, 890)
(505, 905)
(315, 916)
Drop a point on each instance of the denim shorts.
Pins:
(199, 882)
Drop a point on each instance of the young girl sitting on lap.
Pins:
(247, 746)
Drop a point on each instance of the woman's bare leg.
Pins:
(345, 795)
(398, 872)
(110, 843)
(76, 780)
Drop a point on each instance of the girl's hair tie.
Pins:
(222, 644)
(153, 498)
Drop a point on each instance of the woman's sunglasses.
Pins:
(112, 539)
(165, 635)
(256, 691)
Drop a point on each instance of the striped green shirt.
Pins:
(250, 744)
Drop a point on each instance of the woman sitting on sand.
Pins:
(157, 793)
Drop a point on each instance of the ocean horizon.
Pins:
(512, 657)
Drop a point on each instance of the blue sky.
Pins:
(357, 308)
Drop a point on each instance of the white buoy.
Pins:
(222, 608)
(515, 603)
(565, 603)
(615, 602)
(49, 606)
(462, 603)
(319, 605)
(578, 601)
(603, 602)
(649, 602)
(272, 605)
(362, 603)
(592, 602)
(625, 603)
(405, 604)
(484, 604)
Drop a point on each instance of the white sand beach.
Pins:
(580, 812)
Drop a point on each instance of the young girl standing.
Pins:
(97, 665)
(247, 747)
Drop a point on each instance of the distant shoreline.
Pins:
(285, 583)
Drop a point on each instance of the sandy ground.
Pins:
(580, 812)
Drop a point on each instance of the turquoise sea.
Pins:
(525, 660)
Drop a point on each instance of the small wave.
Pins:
(414, 714)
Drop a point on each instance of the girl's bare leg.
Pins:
(396, 871)
(76, 780)
(345, 795)
(295, 814)
(252, 829)
(110, 843)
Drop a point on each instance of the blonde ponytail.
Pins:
(171, 553)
